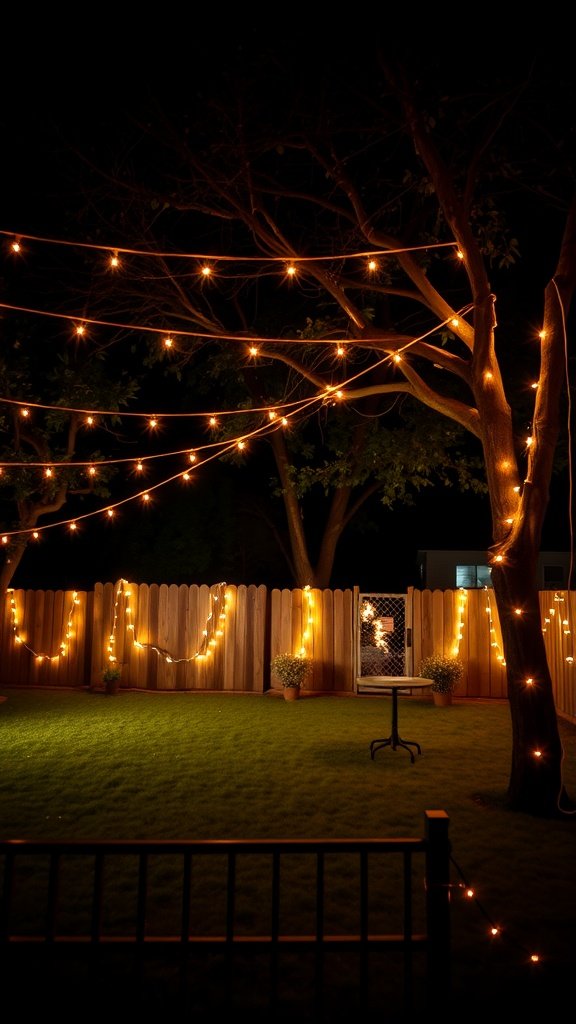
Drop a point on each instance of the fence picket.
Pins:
(259, 624)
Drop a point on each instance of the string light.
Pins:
(19, 637)
(495, 929)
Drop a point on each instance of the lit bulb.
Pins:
(460, 254)
(80, 330)
(192, 457)
(291, 270)
(206, 271)
(253, 350)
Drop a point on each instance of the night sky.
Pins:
(56, 92)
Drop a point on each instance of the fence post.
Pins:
(438, 909)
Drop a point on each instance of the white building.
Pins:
(448, 570)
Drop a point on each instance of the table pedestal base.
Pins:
(394, 739)
(394, 742)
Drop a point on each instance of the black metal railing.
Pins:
(37, 916)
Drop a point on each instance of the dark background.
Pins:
(58, 91)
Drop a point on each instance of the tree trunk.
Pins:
(303, 572)
(535, 782)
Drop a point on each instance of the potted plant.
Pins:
(291, 670)
(111, 678)
(445, 671)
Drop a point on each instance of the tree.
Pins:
(424, 181)
(46, 460)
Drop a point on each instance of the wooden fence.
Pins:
(170, 637)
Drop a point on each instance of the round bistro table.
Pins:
(395, 685)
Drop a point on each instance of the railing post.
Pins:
(438, 909)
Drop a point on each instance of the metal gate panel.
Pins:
(382, 635)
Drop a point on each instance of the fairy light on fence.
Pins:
(68, 633)
(307, 631)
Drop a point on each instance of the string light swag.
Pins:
(212, 632)
(559, 615)
(19, 637)
(462, 599)
(495, 930)
(307, 631)
(493, 641)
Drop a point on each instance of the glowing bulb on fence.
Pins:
(253, 350)
(372, 266)
(291, 270)
(206, 271)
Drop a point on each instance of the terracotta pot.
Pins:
(442, 700)
(291, 693)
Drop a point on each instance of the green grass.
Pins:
(181, 765)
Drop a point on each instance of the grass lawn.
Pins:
(197, 765)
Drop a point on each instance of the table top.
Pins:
(396, 682)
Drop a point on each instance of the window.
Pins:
(473, 576)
